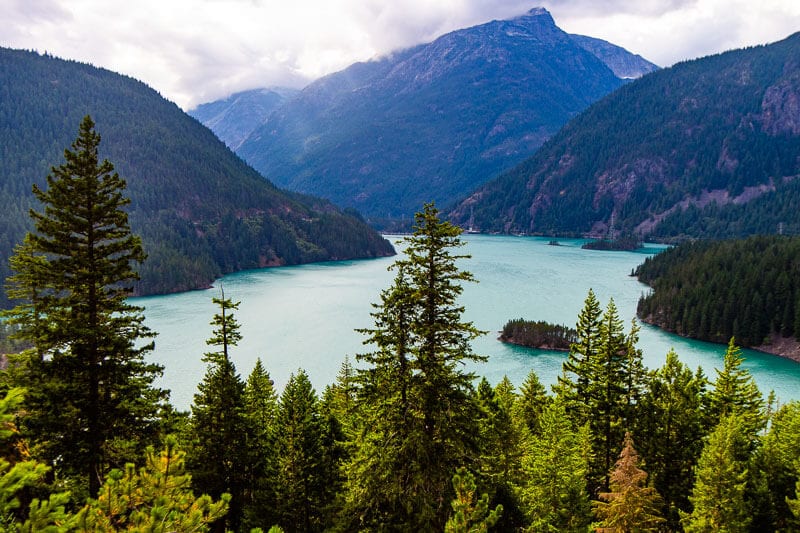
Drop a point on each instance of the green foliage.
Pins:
(554, 492)
(470, 515)
(780, 452)
(156, 498)
(420, 421)
(41, 515)
(630, 505)
(220, 457)
(717, 290)
(718, 496)
(601, 383)
(531, 402)
(538, 334)
(300, 458)
(91, 400)
(261, 412)
(671, 421)
(713, 124)
(201, 211)
(735, 393)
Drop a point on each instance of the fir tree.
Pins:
(91, 399)
(156, 498)
(671, 425)
(470, 515)
(735, 392)
(629, 506)
(219, 454)
(718, 496)
(300, 457)
(261, 411)
(531, 403)
(554, 488)
(573, 386)
(420, 418)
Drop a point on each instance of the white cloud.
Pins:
(199, 50)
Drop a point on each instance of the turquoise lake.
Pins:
(306, 316)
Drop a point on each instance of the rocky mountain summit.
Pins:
(434, 121)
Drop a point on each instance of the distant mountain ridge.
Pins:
(201, 211)
(234, 118)
(706, 148)
(434, 121)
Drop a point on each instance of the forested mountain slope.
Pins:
(715, 290)
(200, 210)
(706, 148)
(434, 121)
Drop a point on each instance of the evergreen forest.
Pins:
(715, 290)
(201, 211)
(405, 439)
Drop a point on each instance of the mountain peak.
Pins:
(537, 12)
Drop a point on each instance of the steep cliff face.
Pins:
(431, 122)
(664, 154)
(621, 62)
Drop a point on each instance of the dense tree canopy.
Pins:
(715, 290)
(91, 402)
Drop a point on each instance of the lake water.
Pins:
(305, 316)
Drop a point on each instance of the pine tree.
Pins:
(219, 455)
(780, 453)
(718, 496)
(18, 476)
(735, 392)
(301, 467)
(261, 411)
(469, 515)
(420, 418)
(582, 354)
(554, 488)
(629, 506)
(91, 399)
(671, 425)
(155, 498)
(531, 402)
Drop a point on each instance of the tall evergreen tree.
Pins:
(554, 487)
(780, 454)
(735, 392)
(91, 399)
(219, 455)
(300, 455)
(531, 402)
(261, 411)
(630, 506)
(573, 385)
(720, 484)
(420, 415)
(672, 429)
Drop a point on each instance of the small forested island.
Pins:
(540, 334)
(714, 290)
(623, 243)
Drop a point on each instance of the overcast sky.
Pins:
(194, 51)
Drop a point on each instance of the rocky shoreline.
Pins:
(787, 347)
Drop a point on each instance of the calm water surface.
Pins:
(305, 316)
